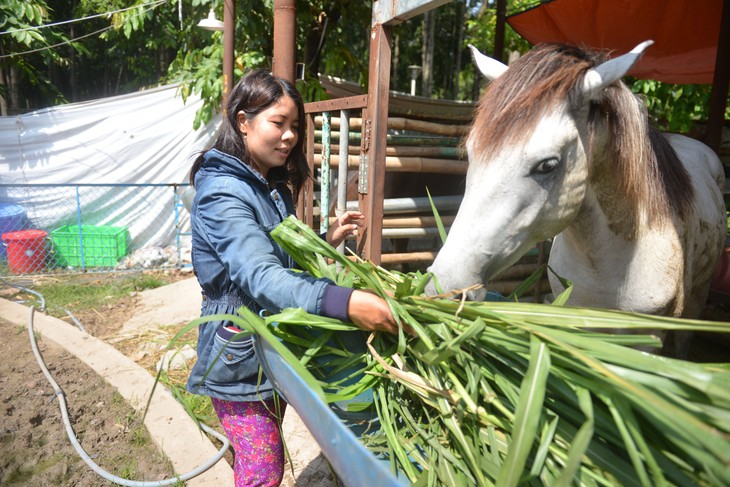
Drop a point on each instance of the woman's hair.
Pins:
(253, 94)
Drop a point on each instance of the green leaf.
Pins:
(439, 223)
(257, 323)
(527, 414)
(528, 283)
(580, 441)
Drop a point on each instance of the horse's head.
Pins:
(529, 155)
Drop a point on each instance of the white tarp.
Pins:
(139, 138)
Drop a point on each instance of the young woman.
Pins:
(245, 186)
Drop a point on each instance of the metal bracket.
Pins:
(363, 174)
(363, 169)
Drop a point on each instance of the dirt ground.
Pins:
(34, 448)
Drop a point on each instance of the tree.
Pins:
(77, 51)
(23, 48)
(675, 107)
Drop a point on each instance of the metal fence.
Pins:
(60, 228)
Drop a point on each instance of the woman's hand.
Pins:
(370, 312)
(345, 225)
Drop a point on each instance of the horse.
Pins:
(560, 147)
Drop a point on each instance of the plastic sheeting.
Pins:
(685, 32)
(140, 138)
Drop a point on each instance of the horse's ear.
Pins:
(603, 75)
(490, 68)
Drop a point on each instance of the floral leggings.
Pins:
(253, 429)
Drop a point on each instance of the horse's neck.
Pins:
(606, 206)
(611, 270)
(599, 227)
(605, 221)
(608, 222)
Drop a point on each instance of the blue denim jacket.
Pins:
(237, 263)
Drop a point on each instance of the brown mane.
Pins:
(648, 170)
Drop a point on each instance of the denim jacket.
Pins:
(237, 263)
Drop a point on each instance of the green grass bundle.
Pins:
(508, 393)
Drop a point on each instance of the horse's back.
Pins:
(707, 177)
(705, 233)
(668, 268)
(699, 160)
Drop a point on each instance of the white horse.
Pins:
(560, 146)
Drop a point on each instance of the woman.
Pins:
(245, 186)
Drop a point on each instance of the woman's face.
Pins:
(272, 134)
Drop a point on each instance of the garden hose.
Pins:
(58, 392)
(43, 303)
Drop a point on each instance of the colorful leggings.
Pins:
(253, 429)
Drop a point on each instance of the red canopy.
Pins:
(685, 32)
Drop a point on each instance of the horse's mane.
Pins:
(648, 170)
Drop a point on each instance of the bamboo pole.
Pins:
(403, 151)
(407, 258)
(503, 287)
(406, 164)
(414, 205)
(416, 221)
(411, 222)
(399, 123)
(413, 232)
(418, 140)
(517, 271)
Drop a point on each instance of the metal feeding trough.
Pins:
(354, 464)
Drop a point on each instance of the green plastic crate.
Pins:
(102, 246)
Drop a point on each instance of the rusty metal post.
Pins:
(285, 49)
(720, 83)
(499, 30)
(305, 207)
(375, 127)
(229, 22)
(386, 13)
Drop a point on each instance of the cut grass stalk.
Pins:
(505, 393)
(590, 397)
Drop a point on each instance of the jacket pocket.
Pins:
(233, 360)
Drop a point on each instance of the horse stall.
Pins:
(376, 148)
(424, 156)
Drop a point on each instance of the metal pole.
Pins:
(229, 22)
(342, 168)
(499, 30)
(375, 127)
(720, 83)
(324, 180)
(285, 49)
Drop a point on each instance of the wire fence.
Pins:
(61, 228)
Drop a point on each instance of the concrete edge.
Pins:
(170, 427)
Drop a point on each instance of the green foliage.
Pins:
(153, 42)
(311, 89)
(198, 406)
(333, 38)
(198, 64)
(79, 295)
(18, 20)
(481, 29)
(509, 393)
(675, 107)
(480, 33)
(17, 17)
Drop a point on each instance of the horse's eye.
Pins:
(546, 165)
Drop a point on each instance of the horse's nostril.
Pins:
(478, 294)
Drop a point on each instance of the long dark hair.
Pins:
(253, 94)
